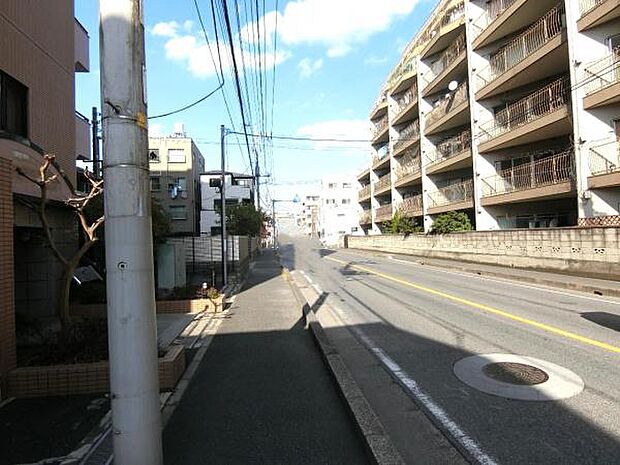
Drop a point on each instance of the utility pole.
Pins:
(273, 223)
(132, 330)
(95, 136)
(223, 209)
(257, 174)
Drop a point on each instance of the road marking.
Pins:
(495, 311)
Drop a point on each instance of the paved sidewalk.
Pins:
(262, 393)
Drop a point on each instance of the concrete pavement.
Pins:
(262, 393)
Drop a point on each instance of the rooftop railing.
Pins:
(409, 164)
(585, 6)
(601, 73)
(405, 99)
(604, 158)
(446, 104)
(384, 213)
(523, 45)
(493, 10)
(554, 169)
(408, 135)
(448, 57)
(548, 99)
(411, 205)
(454, 193)
(364, 192)
(448, 148)
(383, 182)
(379, 126)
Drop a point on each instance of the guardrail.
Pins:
(454, 193)
(383, 182)
(448, 148)
(408, 97)
(523, 45)
(448, 57)
(545, 100)
(383, 213)
(554, 169)
(446, 104)
(601, 73)
(604, 158)
(409, 164)
(409, 134)
(585, 6)
(493, 10)
(411, 205)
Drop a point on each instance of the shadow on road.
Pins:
(608, 320)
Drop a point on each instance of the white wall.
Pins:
(209, 217)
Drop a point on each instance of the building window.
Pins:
(346, 201)
(176, 156)
(332, 185)
(154, 155)
(155, 183)
(182, 183)
(13, 106)
(178, 212)
(216, 230)
(346, 185)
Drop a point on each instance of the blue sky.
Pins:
(332, 57)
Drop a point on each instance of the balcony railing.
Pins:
(365, 217)
(445, 17)
(601, 73)
(548, 171)
(447, 57)
(379, 126)
(409, 164)
(446, 104)
(407, 66)
(526, 43)
(404, 100)
(383, 182)
(380, 154)
(450, 147)
(585, 6)
(604, 158)
(493, 10)
(411, 205)
(364, 192)
(384, 213)
(380, 101)
(408, 135)
(546, 100)
(454, 193)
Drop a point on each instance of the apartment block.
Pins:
(507, 110)
(339, 213)
(43, 46)
(175, 164)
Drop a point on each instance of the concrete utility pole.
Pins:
(223, 209)
(95, 142)
(132, 329)
(257, 174)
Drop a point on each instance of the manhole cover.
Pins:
(515, 373)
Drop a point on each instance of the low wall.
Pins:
(162, 306)
(592, 252)
(86, 378)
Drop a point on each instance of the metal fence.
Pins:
(447, 104)
(383, 182)
(546, 100)
(604, 158)
(493, 9)
(405, 99)
(585, 6)
(409, 134)
(411, 205)
(448, 148)
(409, 164)
(454, 193)
(601, 73)
(379, 126)
(384, 213)
(364, 192)
(448, 57)
(554, 169)
(523, 45)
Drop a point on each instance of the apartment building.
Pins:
(43, 46)
(507, 110)
(339, 212)
(175, 164)
(239, 189)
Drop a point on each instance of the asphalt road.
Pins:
(423, 320)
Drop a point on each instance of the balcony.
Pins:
(383, 185)
(449, 112)
(406, 105)
(364, 175)
(604, 167)
(407, 137)
(450, 154)
(411, 206)
(380, 130)
(451, 62)
(457, 196)
(442, 32)
(601, 81)
(504, 17)
(381, 158)
(82, 137)
(403, 76)
(80, 47)
(597, 12)
(409, 171)
(380, 106)
(541, 115)
(383, 213)
(547, 178)
(537, 53)
(364, 193)
(365, 217)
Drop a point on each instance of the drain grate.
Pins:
(515, 373)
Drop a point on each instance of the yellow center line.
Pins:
(495, 311)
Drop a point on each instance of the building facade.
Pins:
(339, 210)
(43, 46)
(507, 110)
(175, 165)
(239, 189)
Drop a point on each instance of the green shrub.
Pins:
(401, 225)
(451, 222)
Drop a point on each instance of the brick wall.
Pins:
(7, 305)
(593, 252)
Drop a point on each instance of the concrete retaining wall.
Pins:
(593, 252)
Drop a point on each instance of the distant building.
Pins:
(239, 189)
(175, 167)
(339, 210)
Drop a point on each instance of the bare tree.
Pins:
(77, 202)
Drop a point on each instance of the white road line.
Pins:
(316, 288)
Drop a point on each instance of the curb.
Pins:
(378, 443)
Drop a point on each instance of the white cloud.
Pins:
(308, 67)
(375, 60)
(340, 130)
(165, 29)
